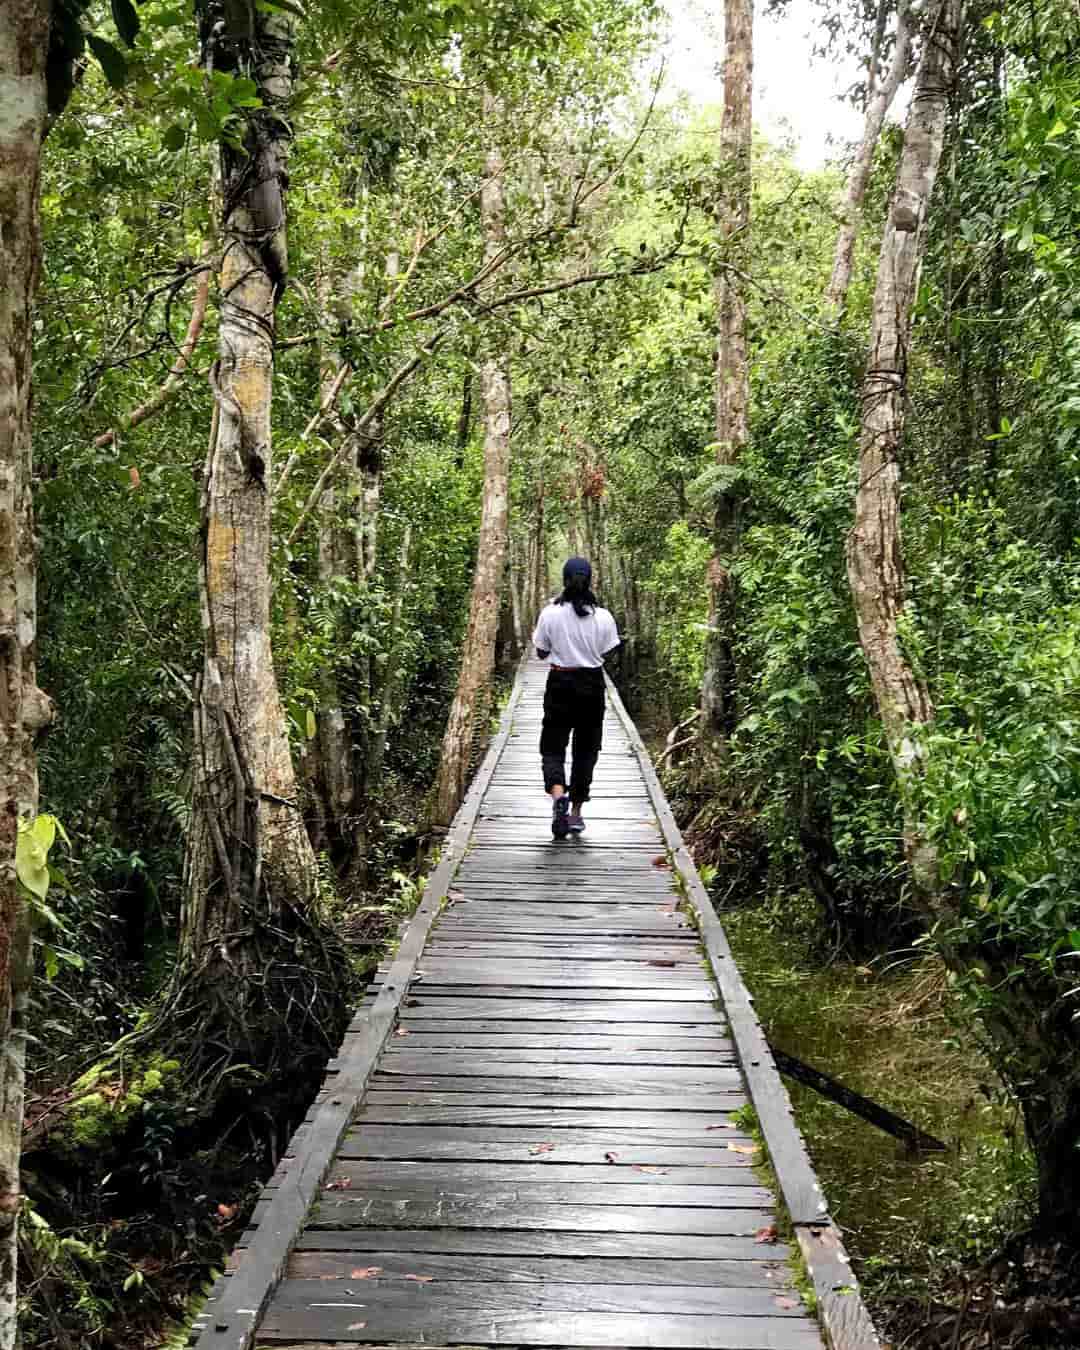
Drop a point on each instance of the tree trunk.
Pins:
(24, 709)
(478, 654)
(732, 384)
(878, 105)
(252, 954)
(874, 551)
(388, 694)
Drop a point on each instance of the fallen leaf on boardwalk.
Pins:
(786, 1303)
(356, 1326)
(331, 1277)
(454, 896)
(661, 963)
(724, 1125)
(402, 1031)
(644, 1167)
(226, 1212)
(611, 1157)
(743, 1148)
(543, 1148)
(669, 908)
(340, 1184)
(366, 1273)
(421, 1279)
(660, 861)
(766, 1234)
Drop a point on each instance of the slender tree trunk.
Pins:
(388, 695)
(251, 947)
(876, 109)
(478, 654)
(539, 556)
(732, 384)
(24, 709)
(515, 603)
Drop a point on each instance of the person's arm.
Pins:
(541, 641)
(611, 635)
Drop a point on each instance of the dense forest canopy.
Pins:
(326, 332)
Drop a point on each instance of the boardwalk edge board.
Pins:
(230, 1318)
(842, 1312)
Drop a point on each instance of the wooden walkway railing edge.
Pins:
(843, 1314)
(230, 1318)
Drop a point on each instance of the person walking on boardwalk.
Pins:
(576, 632)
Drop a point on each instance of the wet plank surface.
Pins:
(549, 1151)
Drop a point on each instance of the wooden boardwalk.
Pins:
(535, 1133)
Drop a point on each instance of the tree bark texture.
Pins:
(478, 653)
(250, 933)
(24, 709)
(732, 380)
(875, 561)
(880, 101)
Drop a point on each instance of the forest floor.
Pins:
(933, 1238)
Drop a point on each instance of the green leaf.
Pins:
(111, 59)
(310, 724)
(174, 137)
(31, 862)
(126, 20)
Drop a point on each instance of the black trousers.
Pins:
(573, 705)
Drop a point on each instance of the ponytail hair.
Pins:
(577, 576)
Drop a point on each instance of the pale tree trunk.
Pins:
(391, 679)
(539, 557)
(252, 950)
(478, 653)
(515, 603)
(24, 709)
(732, 383)
(880, 101)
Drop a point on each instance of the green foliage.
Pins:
(677, 585)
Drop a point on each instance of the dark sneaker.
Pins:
(559, 818)
(574, 823)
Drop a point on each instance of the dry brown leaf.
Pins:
(644, 1167)
(365, 1273)
(766, 1234)
(543, 1148)
(743, 1148)
(724, 1125)
(340, 1184)
(133, 474)
(226, 1212)
(331, 1277)
(660, 861)
(661, 963)
(421, 1279)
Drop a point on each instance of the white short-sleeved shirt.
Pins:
(572, 641)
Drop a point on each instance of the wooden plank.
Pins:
(632, 975)
(504, 1242)
(590, 1035)
(286, 1325)
(231, 1314)
(600, 1114)
(557, 1094)
(529, 1270)
(428, 1295)
(647, 1147)
(463, 1007)
(360, 1175)
(457, 1061)
(491, 1076)
(523, 996)
(506, 1194)
(432, 1212)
